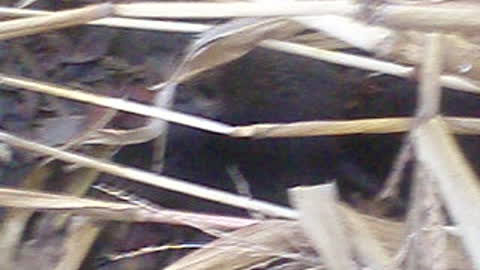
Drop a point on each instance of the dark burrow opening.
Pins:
(273, 87)
(266, 86)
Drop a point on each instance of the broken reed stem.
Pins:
(429, 86)
(320, 218)
(318, 128)
(56, 20)
(424, 223)
(327, 225)
(153, 179)
(437, 150)
(425, 211)
(460, 125)
(429, 100)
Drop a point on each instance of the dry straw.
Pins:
(429, 134)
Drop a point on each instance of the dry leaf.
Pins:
(227, 42)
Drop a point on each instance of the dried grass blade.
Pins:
(432, 67)
(154, 128)
(244, 248)
(395, 176)
(460, 125)
(426, 221)
(392, 237)
(169, 26)
(369, 249)
(438, 151)
(78, 243)
(203, 222)
(463, 125)
(16, 220)
(79, 184)
(20, 12)
(233, 39)
(314, 128)
(360, 35)
(222, 254)
(40, 200)
(409, 48)
(320, 40)
(403, 47)
(115, 257)
(321, 221)
(116, 103)
(153, 179)
(366, 63)
(318, 128)
(106, 210)
(166, 26)
(451, 16)
(24, 3)
(204, 10)
(61, 19)
(13, 226)
(361, 62)
(425, 216)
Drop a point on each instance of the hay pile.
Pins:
(433, 42)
